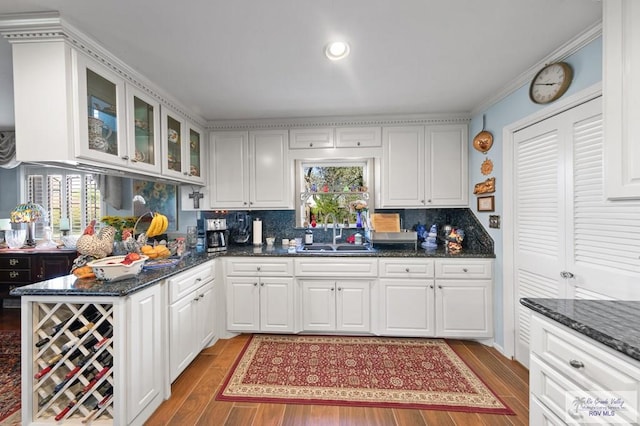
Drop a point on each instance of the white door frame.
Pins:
(508, 237)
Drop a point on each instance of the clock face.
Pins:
(550, 83)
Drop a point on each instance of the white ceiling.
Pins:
(252, 59)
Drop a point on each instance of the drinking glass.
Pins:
(192, 237)
(15, 238)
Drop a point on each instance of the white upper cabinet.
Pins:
(424, 166)
(143, 141)
(181, 154)
(250, 170)
(101, 119)
(358, 137)
(621, 88)
(75, 103)
(311, 138)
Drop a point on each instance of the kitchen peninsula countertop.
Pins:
(614, 323)
(70, 285)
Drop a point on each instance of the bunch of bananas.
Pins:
(158, 252)
(158, 226)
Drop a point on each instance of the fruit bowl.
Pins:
(112, 269)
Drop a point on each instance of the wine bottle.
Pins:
(56, 358)
(91, 314)
(83, 392)
(104, 358)
(107, 395)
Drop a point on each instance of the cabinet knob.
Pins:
(198, 280)
(244, 203)
(339, 288)
(14, 274)
(576, 364)
(125, 157)
(310, 144)
(566, 274)
(465, 270)
(358, 143)
(261, 284)
(255, 284)
(332, 289)
(431, 286)
(429, 201)
(407, 270)
(13, 262)
(439, 286)
(201, 296)
(422, 202)
(196, 299)
(258, 268)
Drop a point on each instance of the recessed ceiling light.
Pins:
(337, 50)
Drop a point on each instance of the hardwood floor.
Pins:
(192, 401)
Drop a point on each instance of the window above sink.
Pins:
(333, 188)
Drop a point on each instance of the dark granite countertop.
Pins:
(614, 323)
(379, 251)
(70, 285)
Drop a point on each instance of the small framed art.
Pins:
(486, 204)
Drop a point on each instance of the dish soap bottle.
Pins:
(308, 237)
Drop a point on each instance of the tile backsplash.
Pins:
(281, 224)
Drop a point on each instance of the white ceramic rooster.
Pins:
(98, 246)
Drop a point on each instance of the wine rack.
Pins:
(73, 357)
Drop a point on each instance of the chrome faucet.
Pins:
(335, 226)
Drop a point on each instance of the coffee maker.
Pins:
(216, 235)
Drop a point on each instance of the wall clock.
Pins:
(550, 82)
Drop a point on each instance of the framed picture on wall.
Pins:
(486, 204)
(159, 197)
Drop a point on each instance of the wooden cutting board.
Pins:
(386, 222)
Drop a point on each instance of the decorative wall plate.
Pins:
(487, 167)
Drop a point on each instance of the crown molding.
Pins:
(561, 53)
(340, 121)
(49, 26)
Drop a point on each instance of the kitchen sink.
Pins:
(337, 248)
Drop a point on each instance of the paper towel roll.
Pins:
(257, 232)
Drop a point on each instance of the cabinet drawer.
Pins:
(311, 138)
(21, 276)
(15, 262)
(336, 267)
(467, 268)
(259, 267)
(182, 284)
(582, 360)
(358, 137)
(406, 268)
(557, 394)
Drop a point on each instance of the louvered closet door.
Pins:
(604, 255)
(539, 219)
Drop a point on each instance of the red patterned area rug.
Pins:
(423, 374)
(9, 373)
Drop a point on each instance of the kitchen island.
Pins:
(581, 350)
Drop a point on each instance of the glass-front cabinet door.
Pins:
(143, 119)
(101, 122)
(195, 155)
(173, 139)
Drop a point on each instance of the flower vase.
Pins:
(358, 219)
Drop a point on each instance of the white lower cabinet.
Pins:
(336, 305)
(420, 297)
(260, 295)
(145, 361)
(191, 315)
(566, 365)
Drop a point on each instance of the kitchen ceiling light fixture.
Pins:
(337, 50)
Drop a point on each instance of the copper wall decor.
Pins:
(483, 140)
(487, 167)
(486, 187)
